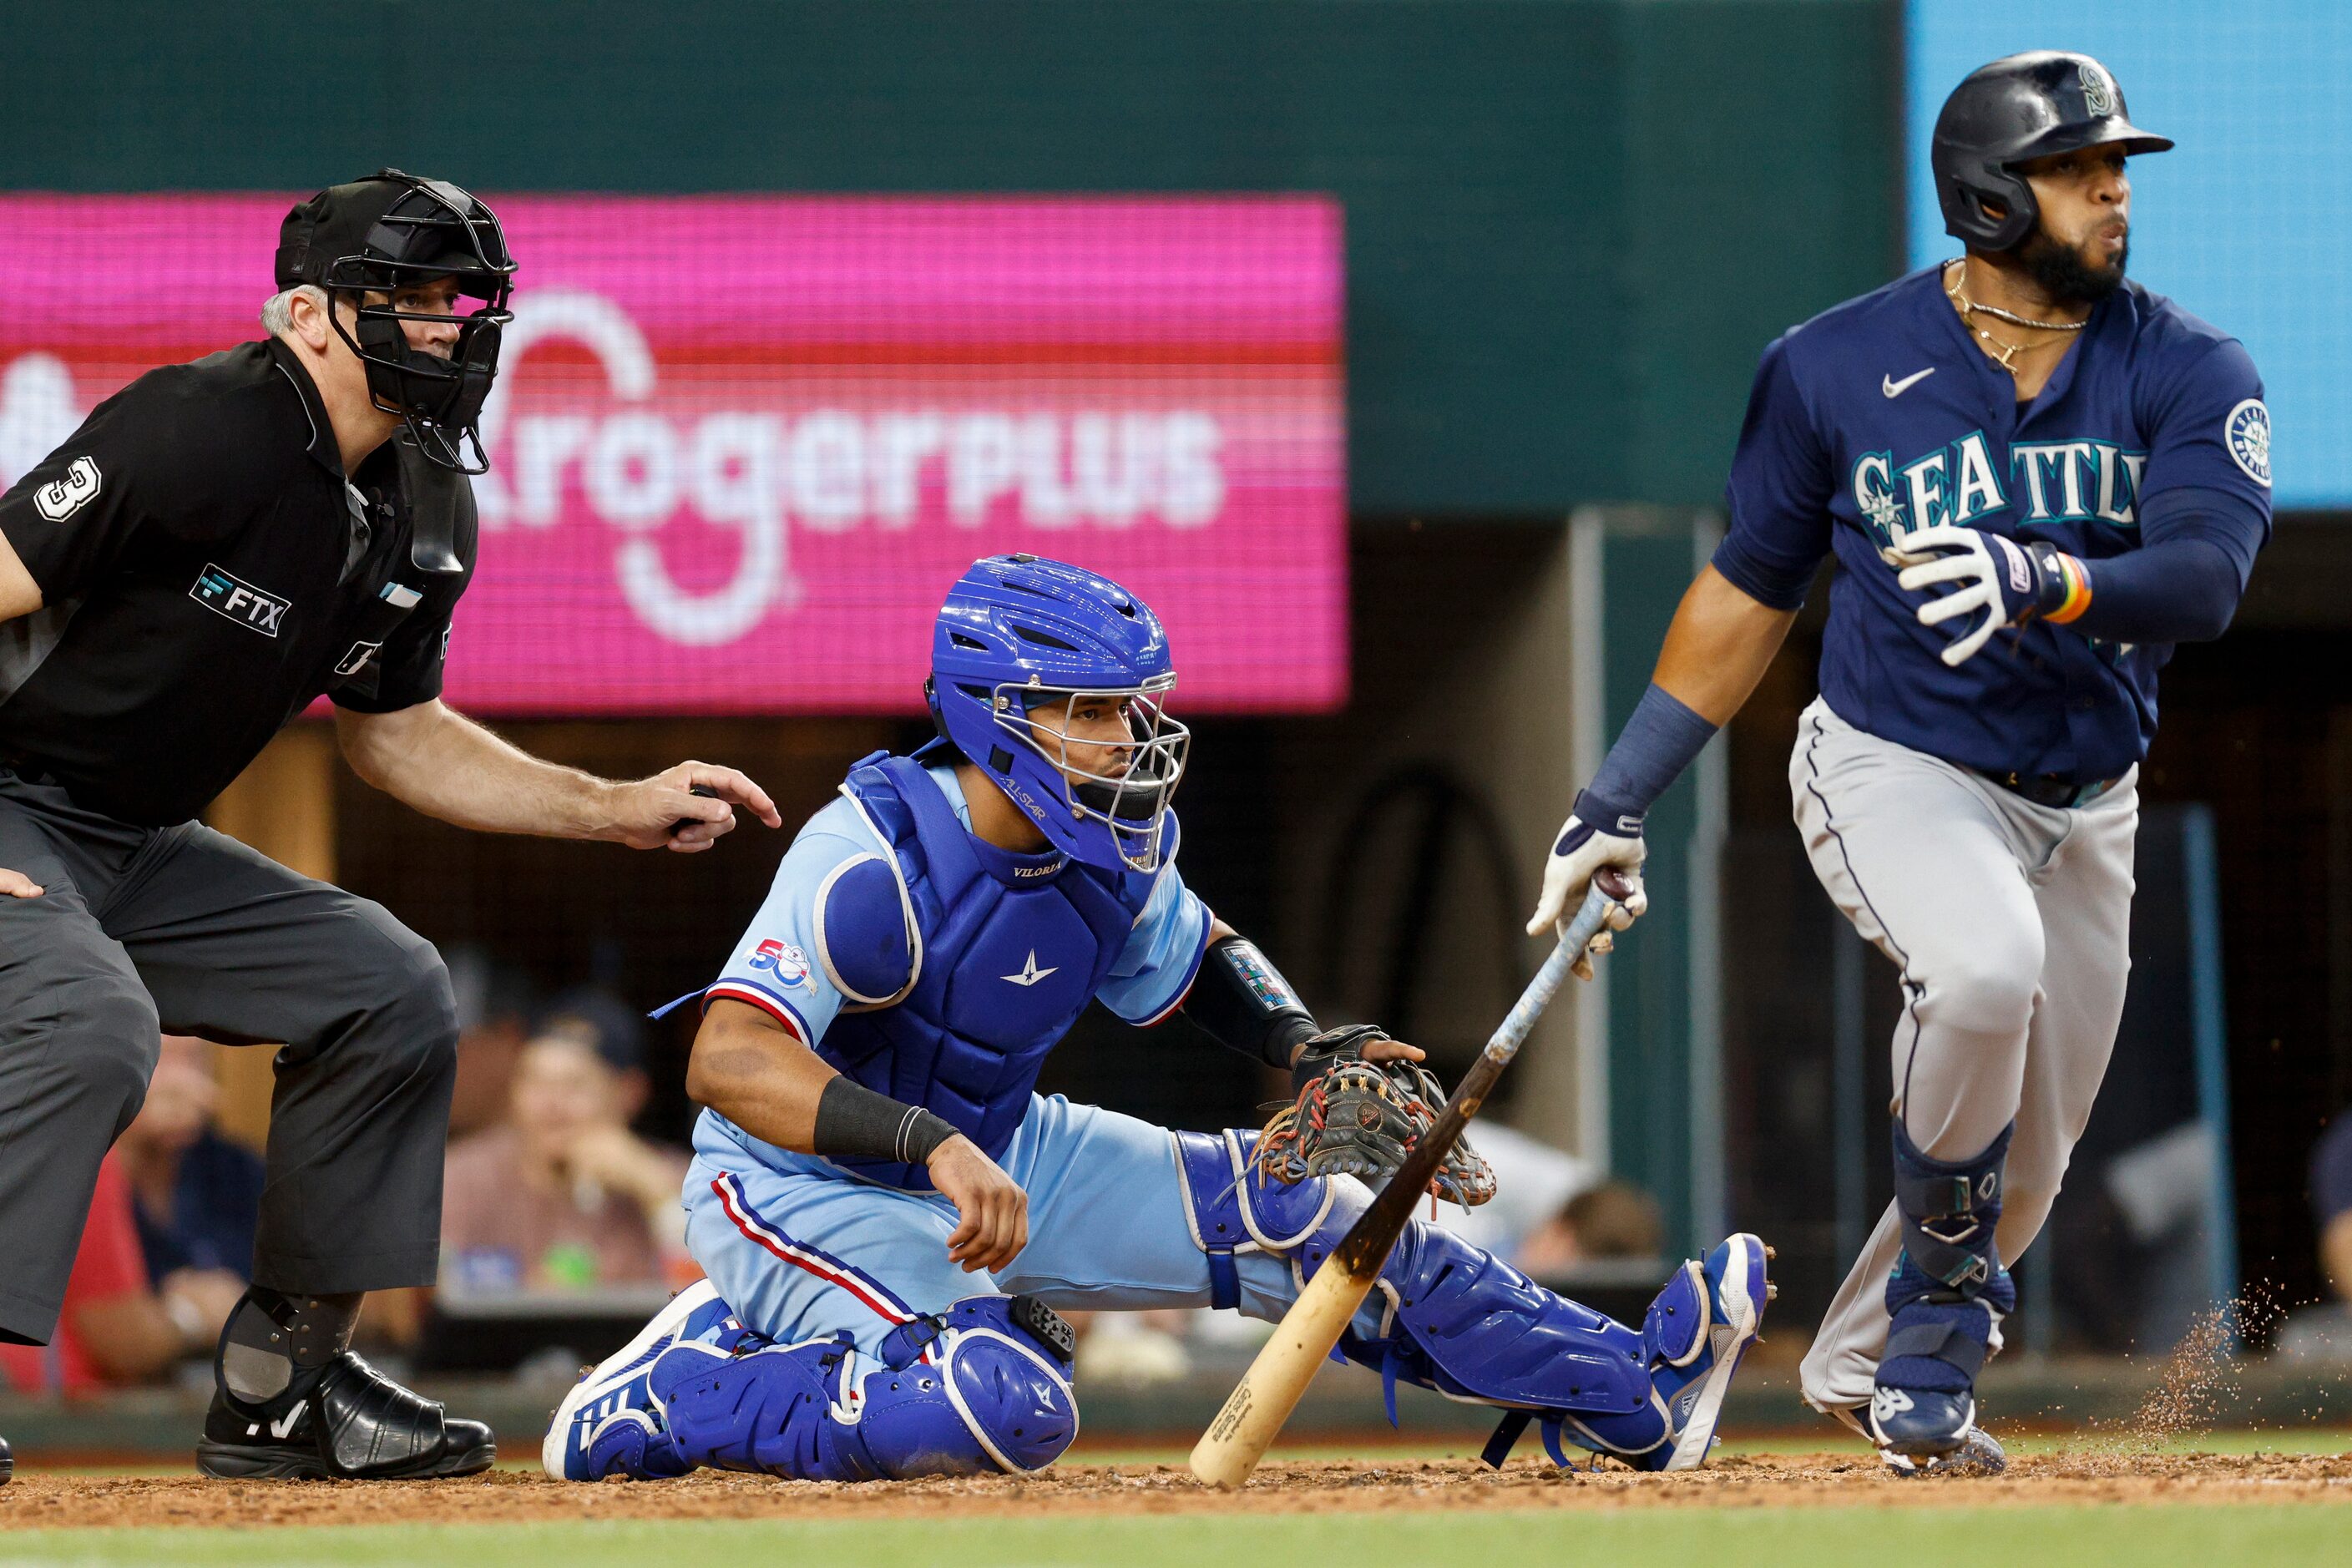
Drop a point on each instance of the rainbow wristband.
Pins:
(2061, 584)
(2077, 580)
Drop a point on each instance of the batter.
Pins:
(2037, 477)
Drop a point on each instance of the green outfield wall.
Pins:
(1573, 224)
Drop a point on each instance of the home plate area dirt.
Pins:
(2091, 1474)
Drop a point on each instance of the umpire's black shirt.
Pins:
(206, 572)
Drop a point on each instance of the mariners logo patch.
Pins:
(61, 499)
(2098, 92)
(255, 609)
(2248, 432)
(788, 964)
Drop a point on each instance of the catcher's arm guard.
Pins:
(1240, 1000)
(1360, 1118)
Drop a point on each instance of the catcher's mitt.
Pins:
(1361, 1118)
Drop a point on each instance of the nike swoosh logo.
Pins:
(1893, 388)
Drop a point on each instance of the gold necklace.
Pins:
(2006, 354)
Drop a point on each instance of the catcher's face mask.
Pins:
(1116, 754)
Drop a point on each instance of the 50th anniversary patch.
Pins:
(256, 609)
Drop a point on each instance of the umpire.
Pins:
(217, 545)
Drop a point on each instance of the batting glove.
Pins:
(1582, 848)
(2009, 584)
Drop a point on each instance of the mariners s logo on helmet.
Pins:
(2098, 92)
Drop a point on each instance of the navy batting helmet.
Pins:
(2013, 111)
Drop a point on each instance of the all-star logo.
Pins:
(1030, 973)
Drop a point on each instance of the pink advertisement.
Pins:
(741, 444)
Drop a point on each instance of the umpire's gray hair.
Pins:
(277, 310)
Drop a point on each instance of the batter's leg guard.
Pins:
(1462, 1322)
(1947, 1296)
(608, 1425)
(983, 1387)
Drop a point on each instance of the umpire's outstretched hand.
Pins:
(686, 809)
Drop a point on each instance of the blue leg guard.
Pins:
(1465, 1324)
(984, 1387)
(1947, 1296)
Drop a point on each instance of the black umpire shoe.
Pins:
(346, 1421)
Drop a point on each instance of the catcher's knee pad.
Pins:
(1231, 1209)
(983, 1387)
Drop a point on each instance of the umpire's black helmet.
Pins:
(2015, 109)
(371, 236)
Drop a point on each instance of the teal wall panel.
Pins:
(1573, 224)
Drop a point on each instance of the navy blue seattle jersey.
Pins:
(1881, 416)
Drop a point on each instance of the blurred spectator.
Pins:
(115, 1328)
(494, 1005)
(1612, 1220)
(2323, 1332)
(2331, 1201)
(1532, 1180)
(198, 1195)
(561, 1195)
(1134, 1348)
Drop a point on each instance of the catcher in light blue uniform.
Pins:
(889, 1216)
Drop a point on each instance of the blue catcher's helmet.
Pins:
(1017, 640)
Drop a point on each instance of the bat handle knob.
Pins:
(1613, 882)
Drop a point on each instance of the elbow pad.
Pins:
(1241, 1001)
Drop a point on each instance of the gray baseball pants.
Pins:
(182, 929)
(2011, 923)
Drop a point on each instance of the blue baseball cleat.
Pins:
(1924, 1406)
(610, 1424)
(1979, 1454)
(1699, 1327)
(1920, 1424)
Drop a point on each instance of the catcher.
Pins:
(889, 1217)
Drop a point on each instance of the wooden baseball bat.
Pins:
(1270, 1390)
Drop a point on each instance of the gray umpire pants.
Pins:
(2011, 923)
(182, 929)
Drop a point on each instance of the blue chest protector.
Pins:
(1006, 952)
